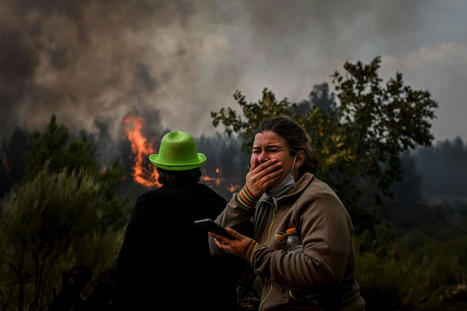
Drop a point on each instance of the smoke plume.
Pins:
(99, 60)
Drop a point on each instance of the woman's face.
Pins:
(268, 145)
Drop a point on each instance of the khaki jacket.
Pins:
(324, 273)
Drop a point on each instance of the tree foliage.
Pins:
(13, 156)
(64, 213)
(49, 224)
(360, 136)
(55, 147)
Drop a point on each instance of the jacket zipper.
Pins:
(269, 233)
(265, 297)
(267, 238)
(274, 212)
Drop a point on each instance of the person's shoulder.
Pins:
(209, 192)
(319, 192)
(205, 188)
(319, 188)
(319, 196)
(149, 197)
(172, 191)
(143, 206)
(149, 194)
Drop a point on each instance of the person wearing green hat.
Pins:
(165, 259)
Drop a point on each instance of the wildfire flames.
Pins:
(218, 180)
(143, 173)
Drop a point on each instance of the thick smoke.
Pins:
(95, 60)
(16, 75)
(83, 60)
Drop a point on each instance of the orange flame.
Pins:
(217, 180)
(141, 150)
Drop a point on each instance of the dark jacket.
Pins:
(165, 262)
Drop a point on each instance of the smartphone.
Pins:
(210, 226)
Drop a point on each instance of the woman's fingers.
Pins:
(222, 243)
(220, 238)
(262, 166)
(254, 165)
(235, 234)
(271, 177)
(260, 174)
(263, 175)
(236, 246)
(226, 240)
(271, 169)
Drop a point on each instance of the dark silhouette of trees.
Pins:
(444, 169)
(13, 159)
(319, 97)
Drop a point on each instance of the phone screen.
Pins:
(210, 226)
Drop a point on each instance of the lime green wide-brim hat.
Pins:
(177, 153)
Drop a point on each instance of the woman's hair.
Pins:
(178, 177)
(296, 138)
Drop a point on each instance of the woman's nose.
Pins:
(263, 157)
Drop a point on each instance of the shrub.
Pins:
(51, 223)
(417, 268)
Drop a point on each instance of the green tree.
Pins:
(56, 147)
(360, 137)
(64, 213)
(13, 156)
(58, 150)
(49, 224)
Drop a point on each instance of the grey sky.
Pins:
(88, 60)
